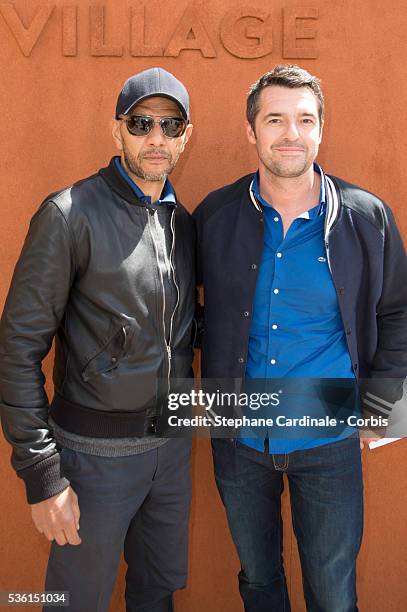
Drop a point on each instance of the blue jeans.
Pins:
(326, 492)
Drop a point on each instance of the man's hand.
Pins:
(58, 517)
(366, 441)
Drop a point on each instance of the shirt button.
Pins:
(276, 291)
(279, 255)
(246, 313)
(273, 361)
(274, 326)
(241, 360)
(254, 266)
(114, 360)
(276, 219)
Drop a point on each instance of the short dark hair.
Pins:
(283, 75)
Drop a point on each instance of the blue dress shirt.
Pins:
(296, 328)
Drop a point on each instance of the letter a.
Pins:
(181, 39)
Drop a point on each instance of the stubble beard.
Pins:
(289, 168)
(285, 170)
(134, 164)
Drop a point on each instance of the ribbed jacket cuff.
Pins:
(43, 479)
(376, 411)
(375, 405)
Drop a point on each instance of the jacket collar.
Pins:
(332, 208)
(331, 197)
(113, 178)
(119, 185)
(167, 195)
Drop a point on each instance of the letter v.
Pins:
(26, 38)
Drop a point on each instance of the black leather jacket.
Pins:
(91, 275)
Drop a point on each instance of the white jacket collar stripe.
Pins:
(332, 202)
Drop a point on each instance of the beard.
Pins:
(134, 164)
(286, 167)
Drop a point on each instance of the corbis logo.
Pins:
(245, 32)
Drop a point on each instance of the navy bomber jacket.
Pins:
(368, 264)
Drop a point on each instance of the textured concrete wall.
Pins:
(62, 64)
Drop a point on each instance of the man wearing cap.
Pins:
(107, 270)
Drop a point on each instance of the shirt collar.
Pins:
(317, 210)
(167, 195)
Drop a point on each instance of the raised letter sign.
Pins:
(293, 31)
(69, 31)
(190, 33)
(98, 47)
(139, 47)
(26, 38)
(261, 32)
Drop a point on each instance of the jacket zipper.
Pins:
(176, 287)
(167, 344)
(167, 347)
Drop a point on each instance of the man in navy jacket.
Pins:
(304, 277)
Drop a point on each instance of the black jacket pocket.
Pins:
(109, 356)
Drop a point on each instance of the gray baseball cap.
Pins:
(152, 82)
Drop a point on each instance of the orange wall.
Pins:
(60, 78)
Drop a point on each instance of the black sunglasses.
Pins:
(141, 125)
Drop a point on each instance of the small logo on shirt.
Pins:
(322, 259)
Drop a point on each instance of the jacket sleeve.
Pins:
(389, 368)
(32, 314)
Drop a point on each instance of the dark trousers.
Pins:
(326, 494)
(137, 504)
